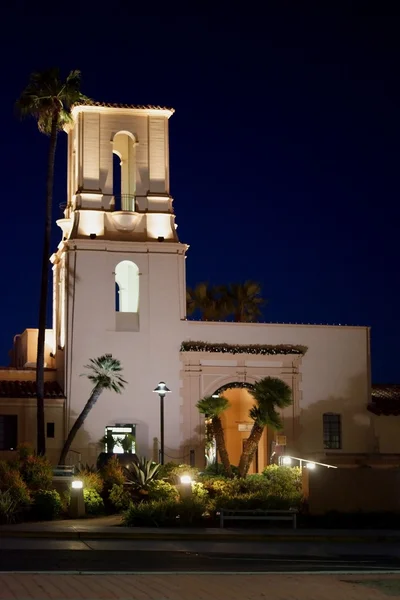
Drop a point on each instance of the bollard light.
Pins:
(186, 480)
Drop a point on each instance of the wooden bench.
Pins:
(256, 515)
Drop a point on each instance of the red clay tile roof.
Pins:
(116, 105)
(385, 399)
(27, 389)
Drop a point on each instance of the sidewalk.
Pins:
(111, 528)
(197, 587)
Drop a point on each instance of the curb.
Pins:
(159, 536)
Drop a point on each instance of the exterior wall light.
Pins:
(77, 484)
(311, 465)
(286, 460)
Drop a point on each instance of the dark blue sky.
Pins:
(284, 147)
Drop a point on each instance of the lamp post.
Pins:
(161, 390)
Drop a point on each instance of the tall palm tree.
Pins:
(269, 394)
(212, 408)
(48, 99)
(106, 374)
(207, 300)
(244, 301)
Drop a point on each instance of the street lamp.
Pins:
(161, 390)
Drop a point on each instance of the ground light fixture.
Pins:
(77, 503)
(186, 479)
(162, 390)
(77, 484)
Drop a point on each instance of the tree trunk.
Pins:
(250, 448)
(79, 422)
(221, 447)
(40, 428)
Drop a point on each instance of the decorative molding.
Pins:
(258, 349)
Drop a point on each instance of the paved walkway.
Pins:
(195, 587)
(110, 527)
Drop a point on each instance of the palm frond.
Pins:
(269, 394)
(47, 97)
(105, 372)
(212, 407)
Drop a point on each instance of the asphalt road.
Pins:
(102, 556)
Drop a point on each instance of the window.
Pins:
(50, 430)
(120, 439)
(127, 287)
(332, 427)
(8, 432)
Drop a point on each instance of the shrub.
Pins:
(156, 513)
(94, 504)
(37, 472)
(119, 498)
(11, 480)
(220, 486)
(162, 490)
(91, 479)
(24, 451)
(283, 481)
(217, 470)
(111, 474)
(191, 510)
(151, 514)
(65, 501)
(199, 491)
(172, 472)
(9, 508)
(47, 505)
(256, 501)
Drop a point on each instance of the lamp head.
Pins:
(161, 389)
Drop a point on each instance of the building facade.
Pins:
(120, 289)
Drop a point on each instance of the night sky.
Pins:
(284, 152)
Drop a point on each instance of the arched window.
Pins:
(127, 287)
(124, 170)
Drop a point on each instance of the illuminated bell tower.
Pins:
(119, 272)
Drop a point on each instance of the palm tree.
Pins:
(212, 408)
(244, 301)
(208, 300)
(269, 394)
(48, 99)
(105, 373)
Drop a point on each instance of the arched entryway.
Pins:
(237, 424)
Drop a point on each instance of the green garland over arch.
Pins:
(234, 385)
(259, 349)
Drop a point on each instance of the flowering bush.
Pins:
(37, 472)
(11, 480)
(111, 474)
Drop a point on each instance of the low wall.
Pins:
(352, 490)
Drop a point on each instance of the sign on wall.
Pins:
(281, 440)
(245, 426)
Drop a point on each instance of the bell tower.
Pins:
(127, 199)
(119, 271)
